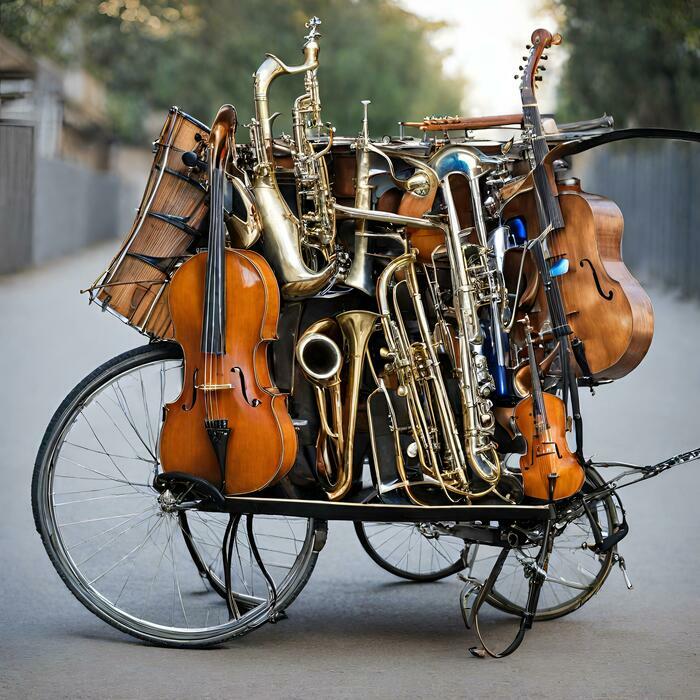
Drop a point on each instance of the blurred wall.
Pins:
(63, 183)
(73, 207)
(656, 184)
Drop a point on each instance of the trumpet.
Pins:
(321, 359)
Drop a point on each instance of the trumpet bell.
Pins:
(321, 360)
(320, 357)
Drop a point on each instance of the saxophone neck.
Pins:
(270, 69)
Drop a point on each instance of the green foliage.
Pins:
(636, 59)
(199, 54)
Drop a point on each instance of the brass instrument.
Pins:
(360, 273)
(442, 453)
(320, 358)
(289, 240)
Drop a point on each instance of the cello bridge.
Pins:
(213, 387)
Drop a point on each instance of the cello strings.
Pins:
(219, 286)
(208, 337)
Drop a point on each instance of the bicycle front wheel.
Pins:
(118, 543)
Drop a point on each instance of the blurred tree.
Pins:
(201, 53)
(636, 59)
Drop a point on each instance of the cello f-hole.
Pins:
(185, 407)
(605, 296)
(255, 402)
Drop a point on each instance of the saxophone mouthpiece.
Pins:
(312, 25)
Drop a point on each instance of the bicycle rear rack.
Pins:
(380, 512)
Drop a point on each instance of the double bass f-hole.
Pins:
(255, 402)
(610, 294)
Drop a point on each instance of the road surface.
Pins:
(355, 632)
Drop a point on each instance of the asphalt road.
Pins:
(355, 631)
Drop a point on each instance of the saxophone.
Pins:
(294, 244)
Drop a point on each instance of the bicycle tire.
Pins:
(47, 529)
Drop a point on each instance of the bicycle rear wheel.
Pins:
(420, 552)
(121, 547)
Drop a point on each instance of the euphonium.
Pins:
(447, 454)
(286, 237)
(320, 358)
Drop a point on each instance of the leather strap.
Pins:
(570, 148)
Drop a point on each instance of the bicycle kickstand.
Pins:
(475, 593)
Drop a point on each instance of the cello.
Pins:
(230, 424)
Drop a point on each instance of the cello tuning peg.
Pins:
(528, 46)
(516, 77)
(538, 78)
(541, 68)
(524, 58)
(544, 56)
(520, 67)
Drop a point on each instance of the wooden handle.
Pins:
(463, 123)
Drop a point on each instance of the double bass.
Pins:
(230, 424)
(600, 305)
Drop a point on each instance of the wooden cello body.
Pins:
(235, 386)
(230, 424)
(605, 306)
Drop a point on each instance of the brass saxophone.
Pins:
(289, 240)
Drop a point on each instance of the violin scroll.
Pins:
(541, 40)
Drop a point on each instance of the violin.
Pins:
(230, 424)
(550, 470)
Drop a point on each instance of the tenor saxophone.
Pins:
(286, 236)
